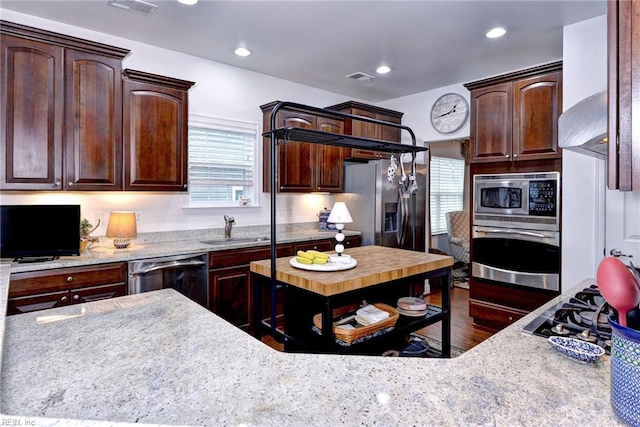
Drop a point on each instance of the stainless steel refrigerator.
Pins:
(382, 210)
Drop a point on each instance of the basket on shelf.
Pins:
(350, 335)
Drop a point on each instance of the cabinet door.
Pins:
(364, 130)
(329, 159)
(37, 302)
(388, 133)
(623, 161)
(93, 139)
(32, 115)
(230, 295)
(491, 119)
(155, 137)
(296, 160)
(537, 107)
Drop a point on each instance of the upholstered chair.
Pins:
(458, 231)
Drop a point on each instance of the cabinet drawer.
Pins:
(244, 256)
(22, 284)
(95, 293)
(316, 245)
(518, 297)
(37, 302)
(494, 315)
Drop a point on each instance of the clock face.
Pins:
(449, 113)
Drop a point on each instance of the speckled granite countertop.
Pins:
(159, 358)
(152, 245)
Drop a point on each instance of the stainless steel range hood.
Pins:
(583, 127)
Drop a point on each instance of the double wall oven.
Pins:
(516, 229)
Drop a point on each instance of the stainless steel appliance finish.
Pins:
(574, 317)
(583, 127)
(378, 207)
(515, 233)
(512, 200)
(187, 274)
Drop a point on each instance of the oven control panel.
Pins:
(542, 198)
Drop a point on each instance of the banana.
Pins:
(318, 254)
(320, 260)
(302, 260)
(303, 254)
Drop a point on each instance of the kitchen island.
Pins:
(381, 275)
(159, 358)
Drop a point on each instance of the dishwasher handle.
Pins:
(168, 266)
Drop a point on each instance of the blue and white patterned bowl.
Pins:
(577, 349)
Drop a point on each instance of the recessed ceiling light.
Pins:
(496, 32)
(383, 69)
(241, 51)
(188, 2)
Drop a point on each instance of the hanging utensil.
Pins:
(403, 176)
(391, 170)
(413, 185)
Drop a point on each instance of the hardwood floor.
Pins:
(464, 334)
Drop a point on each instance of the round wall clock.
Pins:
(449, 113)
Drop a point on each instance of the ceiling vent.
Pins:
(361, 77)
(138, 6)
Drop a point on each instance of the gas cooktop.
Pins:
(583, 315)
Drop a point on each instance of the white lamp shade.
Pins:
(122, 224)
(339, 214)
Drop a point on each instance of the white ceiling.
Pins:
(427, 44)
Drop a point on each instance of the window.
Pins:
(221, 161)
(446, 178)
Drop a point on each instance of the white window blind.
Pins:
(446, 177)
(221, 161)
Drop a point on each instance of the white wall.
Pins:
(584, 73)
(220, 91)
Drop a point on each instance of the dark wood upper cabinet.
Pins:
(514, 117)
(623, 22)
(303, 167)
(61, 103)
(367, 129)
(93, 140)
(155, 125)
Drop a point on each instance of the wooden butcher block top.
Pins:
(376, 264)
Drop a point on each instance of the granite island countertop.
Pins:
(159, 358)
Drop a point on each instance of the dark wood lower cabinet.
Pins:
(46, 289)
(496, 306)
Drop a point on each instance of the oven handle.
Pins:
(167, 266)
(511, 231)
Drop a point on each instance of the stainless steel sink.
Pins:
(232, 240)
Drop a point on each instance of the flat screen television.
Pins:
(39, 231)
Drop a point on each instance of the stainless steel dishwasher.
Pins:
(187, 274)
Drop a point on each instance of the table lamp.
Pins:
(339, 216)
(122, 227)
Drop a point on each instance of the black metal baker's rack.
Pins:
(326, 138)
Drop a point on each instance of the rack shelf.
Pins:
(347, 141)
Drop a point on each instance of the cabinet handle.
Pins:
(510, 318)
(57, 183)
(63, 299)
(70, 184)
(69, 279)
(185, 186)
(507, 156)
(315, 248)
(76, 297)
(515, 156)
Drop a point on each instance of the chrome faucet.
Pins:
(228, 223)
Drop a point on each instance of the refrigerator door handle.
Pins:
(403, 217)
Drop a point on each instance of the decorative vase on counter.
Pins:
(625, 373)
